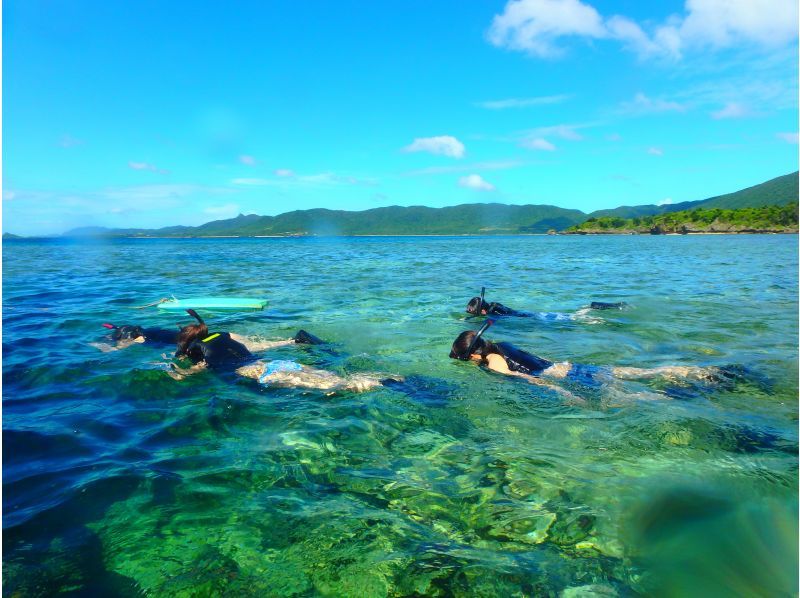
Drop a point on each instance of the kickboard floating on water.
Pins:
(214, 304)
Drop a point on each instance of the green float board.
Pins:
(214, 304)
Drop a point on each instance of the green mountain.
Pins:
(393, 220)
(472, 219)
(777, 191)
(771, 219)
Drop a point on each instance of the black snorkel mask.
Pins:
(466, 354)
(124, 333)
(476, 304)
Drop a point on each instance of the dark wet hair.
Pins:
(475, 305)
(127, 332)
(189, 334)
(461, 346)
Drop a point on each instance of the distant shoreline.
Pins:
(571, 234)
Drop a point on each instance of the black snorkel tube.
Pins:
(193, 313)
(466, 354)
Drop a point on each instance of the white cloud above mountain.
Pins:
(443, 145)
(541, 28)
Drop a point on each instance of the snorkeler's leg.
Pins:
(666, 371)
(255, 345)
(306, 338)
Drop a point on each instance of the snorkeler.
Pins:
(505, 358)
(477, 306)
(223, 351)
(129, 334)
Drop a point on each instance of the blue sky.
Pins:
(151, 114)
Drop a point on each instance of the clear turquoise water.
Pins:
(118, 480)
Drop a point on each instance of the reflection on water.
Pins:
(118, 480)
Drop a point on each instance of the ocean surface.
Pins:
(120, 481)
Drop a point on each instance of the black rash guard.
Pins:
(521, 361)
(498, 309)
(160, 336)
(219, 351)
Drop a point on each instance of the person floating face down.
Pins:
(224, 351)
(505, 358)
(478, 306)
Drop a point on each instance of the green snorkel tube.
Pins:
(465, 355)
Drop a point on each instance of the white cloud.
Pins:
(253, 182)
(498, 165)
(655, 151)
(724, 23)
(614, 137)
(568, 132)
(533, 26)
(538, 143)
(538, 27)
(665, 201)
(248, 160)
(157, 193)
(522, 102)
(68, 141)
(474, 181)
(641, 104)
(286, 178)
(444, 145)
(731, 110)
(228, 210)
(8, 195)
(146, 166)
(788, 137)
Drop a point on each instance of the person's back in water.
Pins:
(218, 351)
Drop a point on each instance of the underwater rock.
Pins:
(571, 528)
(590, 591)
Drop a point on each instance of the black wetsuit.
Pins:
(498, 309)
(157, 336)
(604, 305)
(219, 351)
(521, 361)
(161, 336)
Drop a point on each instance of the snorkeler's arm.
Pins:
(554, 387)
(178, 373)
(498, 364)
(122, 344)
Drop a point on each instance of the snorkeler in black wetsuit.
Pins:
(477, 306)
(223, 353)
(504, 358)
(219, 350)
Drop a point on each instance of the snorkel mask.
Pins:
(466, 354)
(124, 333)
(476, 304)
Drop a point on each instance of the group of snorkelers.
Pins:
(229, 352)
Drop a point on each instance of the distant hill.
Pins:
(394, 220)
(764, 219)
(471, 219)
(775, 192)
